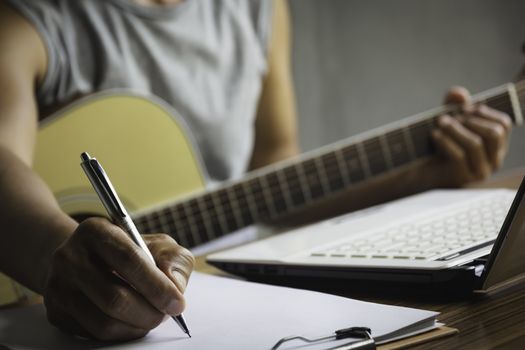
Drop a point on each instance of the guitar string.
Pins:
(248, 217)
(197, 216)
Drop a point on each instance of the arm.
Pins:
(468, 150)
(73, 265)
(276, 122)
(31, 222)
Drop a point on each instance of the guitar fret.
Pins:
(163, 223)
(192, 228)
(252, 207)
(398, 149)
(342, 167)
(386, 151)
(206, 217)
(197, 220)
(186, 229)
(186, 237)
(410, 143)
(244, 205)
(312, 179)
(376, 158)
(178, 228)
(322, 175)
(158, 223)
(276, 191)
(211, 209)
(154, 222)
(227, 210)
(267, 197)
(333, 172)
(304, 185)
(295, 186)
(364, 161)
(166, 214)
(286, 189)
(149, 225)
(259, 199)
(353, 164)
(236, 212)
(221, 216)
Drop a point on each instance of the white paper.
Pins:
(225, 313)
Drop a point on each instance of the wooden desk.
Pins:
(493, 321)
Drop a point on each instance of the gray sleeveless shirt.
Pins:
(206, 58)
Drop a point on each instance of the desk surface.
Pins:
(493, 321)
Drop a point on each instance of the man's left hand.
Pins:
(470, 145)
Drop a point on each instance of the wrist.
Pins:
(59, 231)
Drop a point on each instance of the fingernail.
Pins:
(174, 307)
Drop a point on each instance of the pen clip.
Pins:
(98, 178)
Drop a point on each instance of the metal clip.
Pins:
(353, 332)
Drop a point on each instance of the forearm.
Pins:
(32, 225)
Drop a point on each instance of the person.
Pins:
(225, 66)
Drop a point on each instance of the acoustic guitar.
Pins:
(149, 155)
(148, 152)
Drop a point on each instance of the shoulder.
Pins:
(20, 43)
(257, 12)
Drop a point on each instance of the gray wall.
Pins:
(360, 64)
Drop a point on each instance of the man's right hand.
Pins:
(101, 285)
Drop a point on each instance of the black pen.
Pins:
(107, 194)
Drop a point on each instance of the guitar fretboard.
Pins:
(280, 189)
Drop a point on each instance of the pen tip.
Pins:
(189, 335)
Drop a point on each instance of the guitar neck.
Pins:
(291, 185)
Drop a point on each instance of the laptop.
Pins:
(452, 241)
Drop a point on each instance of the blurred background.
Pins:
(361, 64)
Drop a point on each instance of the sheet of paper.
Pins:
(225, 313)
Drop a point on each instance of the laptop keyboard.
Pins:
(470, 226)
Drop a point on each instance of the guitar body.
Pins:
(144, 148)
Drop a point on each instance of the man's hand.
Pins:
(101, 285)
(471, 145)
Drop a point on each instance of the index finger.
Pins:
(458, 95)
(130, 262)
